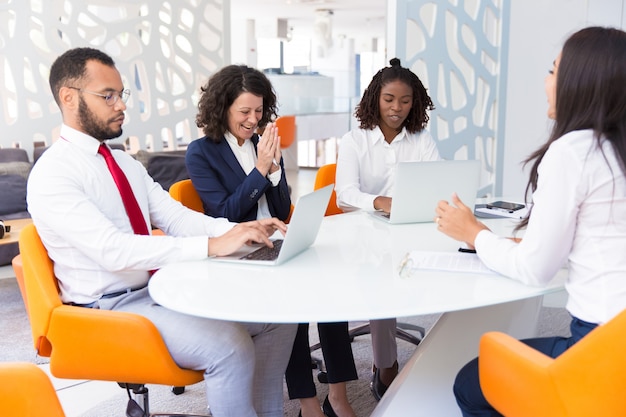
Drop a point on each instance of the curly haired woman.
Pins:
(240, 176)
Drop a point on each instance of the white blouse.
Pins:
(578, 218)
(366, 164)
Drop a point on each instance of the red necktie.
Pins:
(128, 198)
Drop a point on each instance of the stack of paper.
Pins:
(443, 261)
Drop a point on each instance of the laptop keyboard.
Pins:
(265, 253)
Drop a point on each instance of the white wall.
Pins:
(242, 42)
(538, 30)
(339, 63)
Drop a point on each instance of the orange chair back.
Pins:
(326, 176)
(40, 285)
(89, 343)
(290, 214)
(589, 379)
(26, 391)
(185, 192)
(286, 130)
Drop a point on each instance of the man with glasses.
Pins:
(97, 232)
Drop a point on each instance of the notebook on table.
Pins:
(302, 231)
(419, 186)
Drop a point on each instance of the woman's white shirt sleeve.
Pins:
(548, 238)
(578, 220)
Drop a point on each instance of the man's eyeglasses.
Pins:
(110, 98)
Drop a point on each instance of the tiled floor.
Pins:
(78, 396)
(6, 272)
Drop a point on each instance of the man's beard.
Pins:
(92, 126)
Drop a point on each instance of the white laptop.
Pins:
(302, 231)
(419, 186)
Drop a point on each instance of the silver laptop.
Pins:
(301, 233)
(419, 186)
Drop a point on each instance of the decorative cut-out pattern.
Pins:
(459, 50)
(164, 50)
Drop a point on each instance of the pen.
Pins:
(466, 250)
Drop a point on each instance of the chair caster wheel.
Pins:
(178, 390)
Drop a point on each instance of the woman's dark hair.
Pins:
(368, 110)
(71, 67)
(223, 88)
(590, 93)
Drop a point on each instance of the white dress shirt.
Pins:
(246, 155)
(81, 219)
(366, 164)
(578, 217)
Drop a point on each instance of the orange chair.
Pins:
(185, 192)
(589, 379)
(290, 213)
(85, 343)
(326, 176)
(26, 391)
(286, 130)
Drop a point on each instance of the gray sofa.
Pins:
(14, 169)
(165, 167)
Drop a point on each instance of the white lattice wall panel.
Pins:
(165, 50)
(459, 50)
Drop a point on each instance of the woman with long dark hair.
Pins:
(578, 186)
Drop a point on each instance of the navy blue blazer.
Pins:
(224, 187)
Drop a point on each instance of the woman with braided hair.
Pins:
(393, 116)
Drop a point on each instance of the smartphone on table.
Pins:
(505, 205)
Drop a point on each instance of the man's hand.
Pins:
(257, 231)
